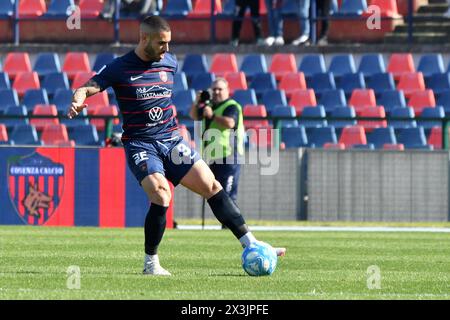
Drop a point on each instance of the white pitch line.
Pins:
(317, 228)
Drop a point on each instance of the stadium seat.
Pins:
(411, 82)
(15, 111)
(372, 112)
(371, 64)
(60, 8)
(420, 100)
(62, 99)
(202, 9)
(80, 120)
(320, 82)
(443, 99)
(102, 59)
(391, 99)
(430, 64)
(25, 81)
(351, 81)
(301, 99)
(44, 109)
(33, 97)
(380, 82)
(294, 137)
(435, 138)
(32, 8)
(431, 112)
(177, 8)
(284, 111)
(381, 136)
(351, 8)
(244, 97)
(47, 63)
(253, 64)
(313, 117)
(3, 133)
(368, 146)
(194, 64)
(291, 82)
(412, 138)
(100, 99)
(332, 99)
(202, 81)
(81, 78)
(180, 81)
(55, 81)
(16, 62)
(6, 9)
(395, 146)
(222, 63)
(8, 97)
(404, 113)
(255, 111)
(53, 133)
(282, 63)
(273, 98)
(361, 98)
(262, 82)
(353, 135)
(4, 81)
(312, 64)
(236, 81)
(183, 101)
(400, 63)
(319, 136)
(347, 112)
(90, 8)
(388, 8)
(86, 135)
(76, 62)
(342, 64)
(438, 82)
(334, 146)
(260, 137)
(99, 110)
(25, 134)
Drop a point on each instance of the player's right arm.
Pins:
(79, 96)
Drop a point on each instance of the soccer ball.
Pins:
(259, 259)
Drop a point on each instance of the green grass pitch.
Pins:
(206, 265)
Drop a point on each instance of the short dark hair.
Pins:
(155, 24)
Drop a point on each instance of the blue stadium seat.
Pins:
(430, 64)
(342, 64)
(351, 81)
(177, 8)
(431, 112)
(272, 98)
(15, 111)
(25, 134)
(352, 8)
(312, 64)
(47, 63)
(332, 99)
(59, 8)
(79, 120)
(262, 82)
(86, 135)
(183, 100)
(317, 137)
(228, 7)
(381, 136)
(412, 138)
(404, 112)
(343, 112)
(313, 112)
(245, 97)
(321, 82)
(33, 97)
(253, 64)
(102, 59)
(380, 82)
(371, 64)
(180, 81)
(391, 99)
(294, 137)
(290, 9)
(285, 111)
(54, 81)
(367, 146)
(202, 81)
(438, 82)
(443, 99)
(62, 99)
(4, 81)
(194, 64)
(6, 9)
(8, 97)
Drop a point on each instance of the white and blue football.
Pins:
(259, 259)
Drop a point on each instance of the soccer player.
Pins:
(142, 81)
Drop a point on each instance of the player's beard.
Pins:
(152, 54)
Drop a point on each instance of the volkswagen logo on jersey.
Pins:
(155, 113)
(35, 185)
(163, 76)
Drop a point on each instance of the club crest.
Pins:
(163, 76)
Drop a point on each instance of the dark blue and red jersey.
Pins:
(143, 91)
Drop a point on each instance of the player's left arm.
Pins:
(79, 96)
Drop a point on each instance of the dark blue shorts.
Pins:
(172, 158)
(228, 176)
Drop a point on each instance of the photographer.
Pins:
(218, 111)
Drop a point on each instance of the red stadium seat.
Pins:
(100, 99)
(397, 146)
(420, 100)
(16, 62)
(258, 110)
(301, 99)
(81, 78)
(3, 133)
(291, 82)
(400, 63)
(91, 8)
(411, 82)
(103, 111)
(334, 146)
(76, 62)
(388, 8)
(70, 143)
(202, 9)
(54, 133)
(361, 98)
(282, 63)
(25, 81)
(44, 109)
(353, 135)
(435, 138)
(32, 8)
(223, 63)
(372, 112)
(261, 137)
(236, 81)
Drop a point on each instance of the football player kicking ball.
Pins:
(142, 81)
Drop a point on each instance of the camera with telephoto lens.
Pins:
(205, 98)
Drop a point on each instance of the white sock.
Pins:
(152, 258)
(247, 239)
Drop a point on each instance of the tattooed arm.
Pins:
(88, 89)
